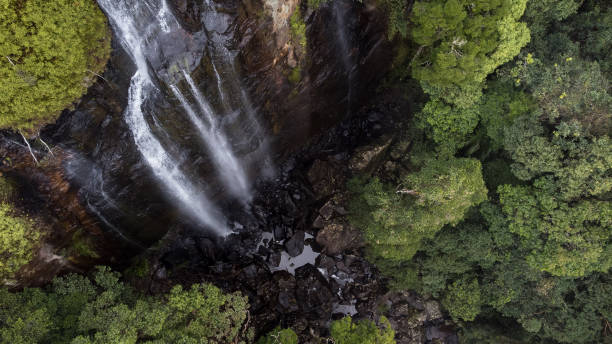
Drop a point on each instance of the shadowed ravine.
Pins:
(143, 27)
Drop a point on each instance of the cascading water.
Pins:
(136, 37)
(230, 168)
(240, 114)
(342, 37)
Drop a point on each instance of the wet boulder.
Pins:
(313, 293)
(295, 245)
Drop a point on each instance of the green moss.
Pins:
(50, 52)
(347, 331)
(140, 268)
(296, 75)
(82, 246)
(298, 28)
(314, 4)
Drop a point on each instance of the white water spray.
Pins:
(229, 168)
(164, 166)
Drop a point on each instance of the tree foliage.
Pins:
(347, 331)
(49, 54)
(395, 221)
(533, 263)
(462, 42)
(75, 309)
(279, 336)
(18, 238)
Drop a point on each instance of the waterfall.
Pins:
(229, 168)
(240, 113)
(342, 37)
(165, 168)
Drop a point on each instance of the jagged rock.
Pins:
(313, 293)
(442, 334)
(207, 248)
(279, 233)
(319, 222)
(325, 178)
(327, 210)
(274, 259)
(366, 159)
(399, 149)
(295, 245)
(432, 309)
(287, 301)
(338, 237)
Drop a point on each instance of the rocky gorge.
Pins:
(310, 79)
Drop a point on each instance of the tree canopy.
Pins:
(50, 52)
(528, 258)
(79, 310)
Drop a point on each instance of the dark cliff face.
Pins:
(111, 190)
(327, 89)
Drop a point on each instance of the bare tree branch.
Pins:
(29, 147)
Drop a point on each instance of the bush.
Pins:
(279, 336)
(17, 241)
(49, 54)
(346, 331)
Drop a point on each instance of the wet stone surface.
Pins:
(297, 258)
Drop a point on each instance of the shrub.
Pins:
(346, 331)
(17, 241)
(279, 336)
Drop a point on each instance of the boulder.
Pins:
(366, 159)
(313, 293)
(325, 178)
(337, 237)
(295, 245)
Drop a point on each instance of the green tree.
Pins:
(566, 239)
(18, 238)
(449, 125)
(541, 14)
(50, 52)
(568, 89)
(395, 221)
(279, 336)
(347, 331)
(75, 309)
(463, 299)
(462, 42)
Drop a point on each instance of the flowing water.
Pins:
(344, 43)
(163, 53)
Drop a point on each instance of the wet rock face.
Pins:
(103, 166)
(110, 178)
(290, 212)
(44, 193)
(303, 91)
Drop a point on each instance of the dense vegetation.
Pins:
(348, 331)
(18, 234)
(46, 61)
(501, 210)
(520, 252)
(79, 310)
